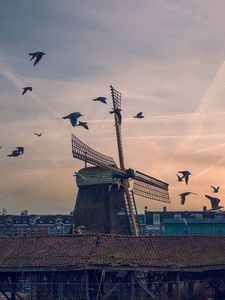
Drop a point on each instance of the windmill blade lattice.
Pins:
(87, 154)
(150, 187)
(116, 98)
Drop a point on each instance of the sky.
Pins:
(166, 57)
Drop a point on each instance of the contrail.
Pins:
(213, 147)
(209, 168)
(210, 98)
(9, 74)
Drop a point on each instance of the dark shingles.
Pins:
(110, 250)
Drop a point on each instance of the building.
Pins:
(100, 266)
(189, 226)
(33, 225)
(153, 222)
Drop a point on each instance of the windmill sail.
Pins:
(84, 152)
(116, 99)
(150, 187)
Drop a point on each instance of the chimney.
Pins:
(164, 208)
(204, 208)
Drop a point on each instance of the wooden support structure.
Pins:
(110, 284)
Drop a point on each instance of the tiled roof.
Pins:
(112, 251)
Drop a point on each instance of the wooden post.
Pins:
(178, 286)
(87, 285)
(132, 285)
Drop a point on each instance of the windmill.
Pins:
(105, 201)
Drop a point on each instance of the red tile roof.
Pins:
(112, 251)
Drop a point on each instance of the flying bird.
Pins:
(26, 88)
(117, 113)
(83, 124)
(80, 176)
(139, 115)
(101, 99)
(179, 178)
(215, 189)
(183, 196)
(37, 55)
(184, 220)
(73, 118)
(214, 203)
(38, 134)
(186, 175)
(20, 150)
(14, 153)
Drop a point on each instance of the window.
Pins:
(177, 216)
(24, 232)
(50, 220)
(50, 231)
(198, 216)
(8, 221)
(156, 219)
(14, 232)
(59, 220)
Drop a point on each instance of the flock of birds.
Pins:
(74, 116)
(19, 150)
(213, 200)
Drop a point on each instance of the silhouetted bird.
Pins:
(179, 178)
(80, 176)
(101, 99)
(215, 190)
(139, 115)
(214, 203)
(184, 220)
(185, 175)
(117, 112)
(83, 124)
(73, 118)
(38, 134)
(183, 195)
(14, 153)
(20, 149)
(37, 55)
(26, 88)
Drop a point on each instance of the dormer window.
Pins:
(8, 221)
(177, 216)
(156, 219)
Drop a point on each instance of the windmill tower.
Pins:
(105, 202)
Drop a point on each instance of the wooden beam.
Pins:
(15, 295)
(110, 291)
(144, 287)
(6, 296)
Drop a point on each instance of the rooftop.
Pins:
(99, 250)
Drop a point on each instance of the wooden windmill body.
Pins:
(105, 203)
